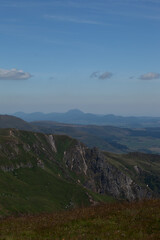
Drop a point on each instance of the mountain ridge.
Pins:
(9, 121)
(40, 172)
(108, 138)
(76, 116)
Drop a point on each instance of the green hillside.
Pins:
(45, 173)
(33, 177)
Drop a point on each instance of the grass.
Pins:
(35, 190)
(116, 221)
(27, 188)
(63, 143)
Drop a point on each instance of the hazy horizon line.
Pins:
(84, 112)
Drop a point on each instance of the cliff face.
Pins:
(103, 177)
(63, 156)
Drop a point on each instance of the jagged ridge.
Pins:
(65, 172)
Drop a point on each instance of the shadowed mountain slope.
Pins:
(40, 172)
(8, 121)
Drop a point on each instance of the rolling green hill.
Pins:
(43, 173)
(33, 177)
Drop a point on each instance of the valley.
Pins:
(106, 138)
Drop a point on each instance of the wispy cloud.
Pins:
(150, 76)
(72, 19)
(51, 78)
(105, 75)
(126, 8)
(94, 75)
(14, 74)
(101, 76)
(151, 17)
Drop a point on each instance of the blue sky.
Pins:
(101, 56)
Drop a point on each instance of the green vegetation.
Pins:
(34, 178)
(42, 173)
(122, 221)
(63, 143)
(35, 190)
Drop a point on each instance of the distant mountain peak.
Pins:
(75, 111)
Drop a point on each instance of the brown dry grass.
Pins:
(132, 221)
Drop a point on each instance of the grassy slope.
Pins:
(134, 221)
(53, 187)
(37, 189)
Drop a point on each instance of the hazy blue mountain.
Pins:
(76, 116)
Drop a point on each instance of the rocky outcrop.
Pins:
(101, 176)
(11, 168)
(51, 141)
(91, 167)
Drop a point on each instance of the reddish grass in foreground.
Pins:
(132, 221)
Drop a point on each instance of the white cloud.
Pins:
(72, 19)
(150, 76)
(14, 74)
(101, 76)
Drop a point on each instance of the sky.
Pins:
(99, 56)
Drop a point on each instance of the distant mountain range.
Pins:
(107, 138)
(76, 116)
